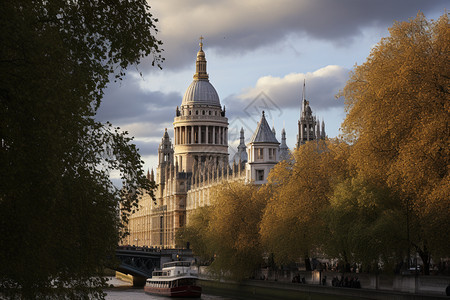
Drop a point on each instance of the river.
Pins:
(124, 291)
(217, 291)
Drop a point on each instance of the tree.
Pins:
(398, 111)
(58, 207)
(233, 229)
(292, 225)
(196, 232)
(364, 225)
(226, 232)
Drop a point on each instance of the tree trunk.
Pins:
(425, 256)
(308, 264)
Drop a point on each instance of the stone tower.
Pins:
(262, 153)
(241, 155)
(165, 158)
(308, 126)
(200, 125)
(285, 154)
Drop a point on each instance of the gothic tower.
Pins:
(285, 154)
(165, 160)
(200, 125)
(308, 126)
(241, 155)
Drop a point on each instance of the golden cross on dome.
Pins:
(201, 42)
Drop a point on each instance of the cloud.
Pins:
(147, 148)
(236, 27)
(145, 114)
(279, 93)
(140, 112)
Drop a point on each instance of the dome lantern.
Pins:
(201, 91)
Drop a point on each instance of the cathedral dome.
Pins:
(201, 92)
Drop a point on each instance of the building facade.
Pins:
(197, 160)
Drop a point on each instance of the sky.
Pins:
(259, 53)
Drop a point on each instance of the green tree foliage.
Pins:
(364, 224)
(292, 225)
(58, 208)
(398, 111)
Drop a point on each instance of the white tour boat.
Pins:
(176, 279)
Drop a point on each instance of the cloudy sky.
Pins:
(258, 53)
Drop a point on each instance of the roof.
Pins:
(263, 133)
(201, 92)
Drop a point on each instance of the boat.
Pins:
(176, 279)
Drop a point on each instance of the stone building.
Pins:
(198, 159)
(308, 125)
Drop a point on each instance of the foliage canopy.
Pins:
(369, 197)
(58, 207)
(226, 232)
(398, 111)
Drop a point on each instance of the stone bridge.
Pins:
(140, 262)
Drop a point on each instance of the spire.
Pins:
(304, 102)
(242, 146)
(152, 176)
(323, 130)
(273, 128)
(200, 64)
(284, 149)
(304, 88)
(241, 154)
(318, 130)
(263, 133)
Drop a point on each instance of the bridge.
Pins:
(140, 262)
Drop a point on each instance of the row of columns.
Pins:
(201, 135)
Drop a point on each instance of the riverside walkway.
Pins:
(258, 289)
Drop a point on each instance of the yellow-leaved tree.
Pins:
(227, 231)
(398, 111)
(233, 229)
(292, 225)
(195, 234)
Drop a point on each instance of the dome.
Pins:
(201, 92)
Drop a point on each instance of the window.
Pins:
(259, 153)
(259, 175)
(270, 153)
